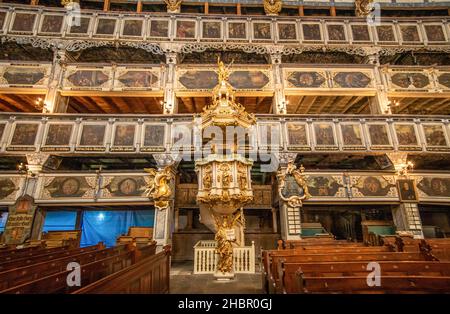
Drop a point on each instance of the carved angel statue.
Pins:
(224, 244)
(173, 5)
(363, 7)
(224, 71)
(272, 7)
(158, 187)
(66, 2)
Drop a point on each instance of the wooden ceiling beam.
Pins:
(19, 102)
(351, 103)
(90, 104)
(8, 106)
(308, 103)
(123, 104)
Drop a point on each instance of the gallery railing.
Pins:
(325, 187)
(191, 80)
(160, 32)
(134, 134)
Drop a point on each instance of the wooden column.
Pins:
(206, 8)
(274, 220)
(301, 11)
(333, 11)
(139, 6)
(238, 9)
(106, 5)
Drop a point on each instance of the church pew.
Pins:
(46, 257)
(389, 284)
(290, 271)
(15, 251)
(28, 252)
(17, 276)
(149, 275)
(276, 259)
(56, 283)
(331, 250)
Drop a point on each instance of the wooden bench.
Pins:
(20, 275)
(62, 238)
(19, 262)
(293, 273)
(11, 254)
(150, 275)
(140, 236)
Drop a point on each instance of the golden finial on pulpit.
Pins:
(173, 5)
(223, 71)
(363, 7)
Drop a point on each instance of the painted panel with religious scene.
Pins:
(24, 76)
(51, 24)
(379, 136)
(159, 28)
(237, 30)
(132, 28)
(410, 80)
(185, 29)
(9, 188)
(24, 136)
(297, 136)
(130, 79)
(211, 30)
(67, 187)
(197, 79)
(385, 33)
(153, 137)
(435, 33)
(336, 32)
(406, 136)
(443, 79)
(262, 31)
(373, 186)
(86, 79)
(250, 80)
(181, 135)
(324, 135)
(311, 32)
(92, 137)
(324, 186)
(433, 187)
(80, 28)
(407, 190)
(24, 22)
(269, 134)
(57, 137)
(410, 33)
(2, 130)
(2, 19)
(360, 32)
(352, 136)
(123, 187)
(105, 27)
(123, 138)
(305, 79)
(351, 80)
(287, 31)
(435, 137)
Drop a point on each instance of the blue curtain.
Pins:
(106, 226)
(3, 218)
(59, 220)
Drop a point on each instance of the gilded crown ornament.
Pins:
(363, 7)
(173, 5)
(272, 7)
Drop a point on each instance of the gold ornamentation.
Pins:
(158, 187)
(363, 7)
(66, 2)
(224, 248)
(293, 200)
(242, 177)
(173, 5)
(224, 110)
(207, 177)
(272, 7)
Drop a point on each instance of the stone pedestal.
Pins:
(225, 277)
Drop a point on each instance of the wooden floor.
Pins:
(182, 281)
